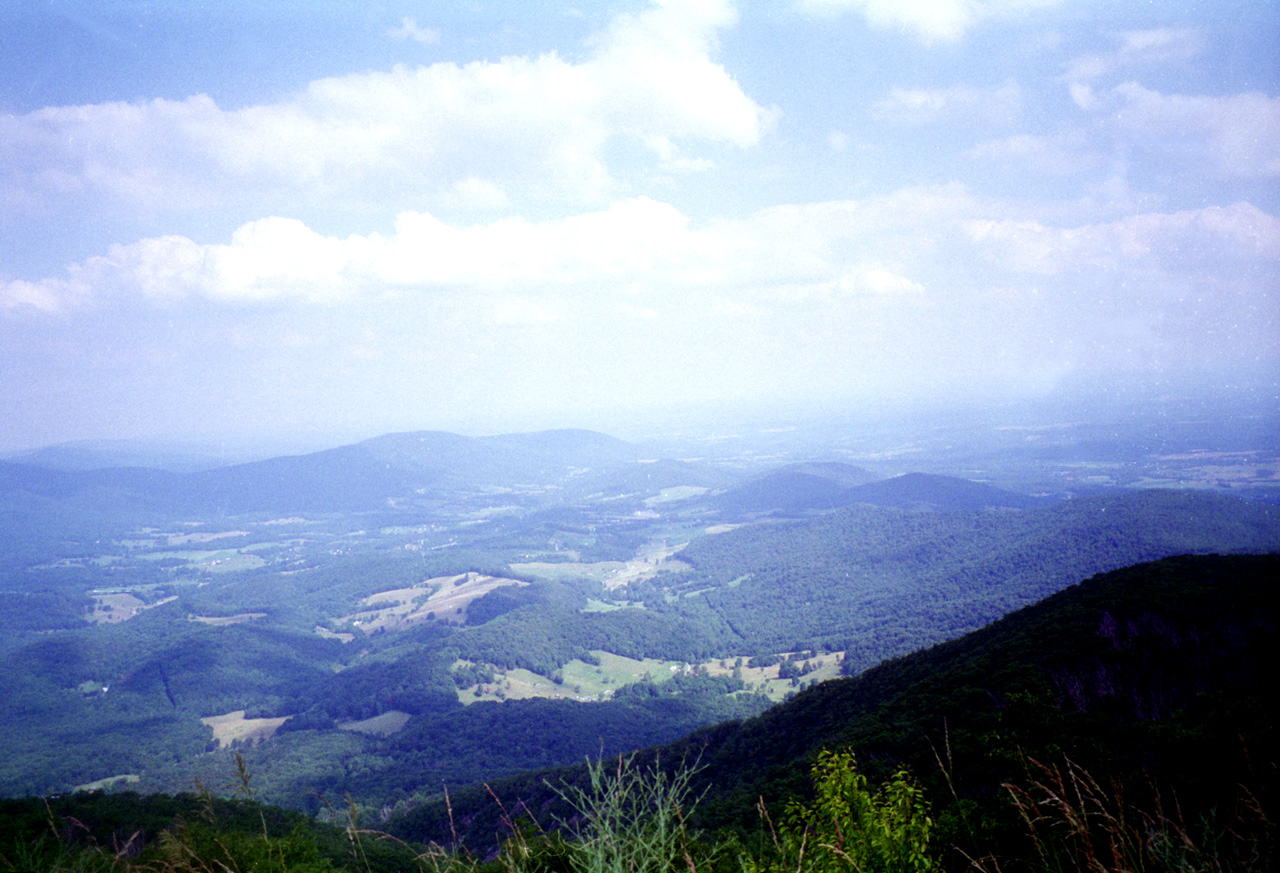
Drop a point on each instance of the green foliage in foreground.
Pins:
(631, 818)
(847, 826)
(124, 833)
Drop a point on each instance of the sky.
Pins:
(330, 217)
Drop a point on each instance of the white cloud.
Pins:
(893, 289)
(1164, 290)
(1138, 48)
(1241, 132)
(1236, 135)
(1082, 96)
(1161, 45)
(914, 242)
(409, 29)
(473, 194)
(1150, 247)
(525, 312)
(532, 127)
(869, 279)
(930, 21)
(1061, 154)
(925, 105)
(637, 246)
(660, 84)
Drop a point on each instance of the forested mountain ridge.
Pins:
(1155, 677)
(1133, 709)
(794, 488)
(881, 582)
(941, 493)
(565, 588)
(810, 488)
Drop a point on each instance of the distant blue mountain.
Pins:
(940, 493)
(365, 475)
(809, 488)
(794, 489)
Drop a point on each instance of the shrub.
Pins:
(848, 828)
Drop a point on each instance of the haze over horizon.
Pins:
(346, 218)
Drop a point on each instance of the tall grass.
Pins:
(1077, 824)
(628, 816)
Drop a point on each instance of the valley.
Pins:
(662, 436)
(417, 611)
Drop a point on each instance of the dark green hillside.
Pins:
(880, 582)
(448, 744)
(800, 489)
(49, 514)
(122, 832)
(535, 734)
(544, 638)
(90, 489)
(796, 488)
(940, 494)
(135, 605)
(345, 479)
(128, 698)
(1153, 677)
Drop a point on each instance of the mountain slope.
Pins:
(362, 476)
(940, 493)
(795, 488)
(1154, 675)
(881, 582)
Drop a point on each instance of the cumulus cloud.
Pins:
(915, 243)
(901, 281)
(930, 21)
(637, 245)
(878, 281)
(529, 126)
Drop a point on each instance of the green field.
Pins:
(582, 681)
(220, 561)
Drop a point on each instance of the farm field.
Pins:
(232, 727)
(444, 599)
(581, 681)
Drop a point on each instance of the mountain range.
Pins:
(425, 609)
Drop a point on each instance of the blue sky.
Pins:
(359, 217)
